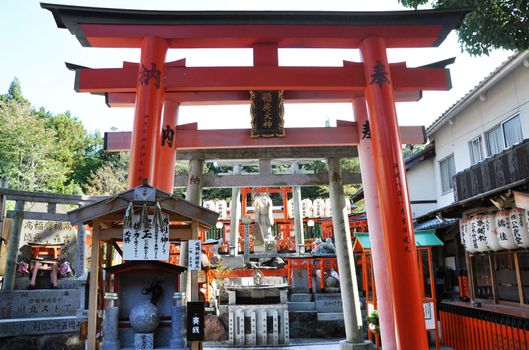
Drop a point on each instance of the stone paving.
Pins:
(298, 344)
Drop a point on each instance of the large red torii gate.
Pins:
(266, 32)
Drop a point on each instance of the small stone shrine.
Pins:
(143, 301)
(257, 310)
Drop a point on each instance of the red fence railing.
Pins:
(468, 328)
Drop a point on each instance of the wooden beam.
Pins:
(348, 78)
(93, 287)
(187, 137)
(521, 199)
(272, 180)
(198, 98)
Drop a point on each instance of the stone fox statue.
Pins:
(264, 218)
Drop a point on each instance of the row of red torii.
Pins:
(372, 86)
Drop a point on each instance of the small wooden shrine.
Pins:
(424, 240)
(110, 219)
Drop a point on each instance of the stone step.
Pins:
(39, 325)
(17, 304)
(301, 306)
(330, 316)
(297, 297)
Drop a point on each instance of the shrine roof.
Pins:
(114, 208)
(137, 265)
(108, 27)
(423, 238)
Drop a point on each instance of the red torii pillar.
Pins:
(376, 235)
(395, 212)
(149, 99)
(165, 150)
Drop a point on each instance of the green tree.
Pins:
(27, 150)
(110, 178)
(15, 93)
(495, 24)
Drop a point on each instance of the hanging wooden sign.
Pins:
(266, 108)
(194, 254)
(147, 240)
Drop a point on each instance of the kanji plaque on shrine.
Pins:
(267, 113)
(146, 241)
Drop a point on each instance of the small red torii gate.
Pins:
(266, 32)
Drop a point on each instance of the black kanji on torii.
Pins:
(379, 75)
(167, 134)
(366, 131)
(147, 74)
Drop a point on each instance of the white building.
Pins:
(490, 118)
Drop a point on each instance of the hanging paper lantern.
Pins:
(318, 208)
(290, 208)
(504, 231)
(472, 239)
(222, 209)
(478, 233)
(209, 205)
(328, 210)
(490, 231)
(306, 208)
(520, 234)
(464, 231)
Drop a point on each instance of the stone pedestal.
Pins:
(347, 345)
(110, 323)
(143, 341)
(178, 326)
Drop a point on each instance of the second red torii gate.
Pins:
(372, 32)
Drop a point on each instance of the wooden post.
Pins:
(93, 290)
(519, 278)
(193, 195)
(12, 247)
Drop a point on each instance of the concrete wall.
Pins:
(508, 97)
(420, 187)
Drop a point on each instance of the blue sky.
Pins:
(35, 50)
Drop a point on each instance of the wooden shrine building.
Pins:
(108, 218)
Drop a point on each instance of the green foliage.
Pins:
(27, 155)
(495, 24)
(110, 178)
(15, 93)
(410, 150)
(40, 151)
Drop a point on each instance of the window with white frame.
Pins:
(504, 135)
(476, 150)
(448, 169)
